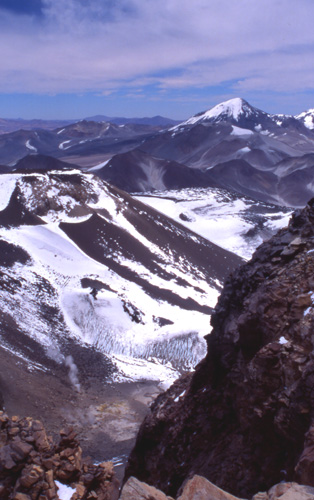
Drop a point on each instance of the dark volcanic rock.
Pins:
(245, 419)
(241, 177)
(16, 214)
(137, 171)
(10, 254)
(38, 162)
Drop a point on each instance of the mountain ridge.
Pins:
(8, 125)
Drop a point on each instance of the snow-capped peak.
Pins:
(233, 108)
(307, 117)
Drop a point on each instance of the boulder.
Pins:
(199, 488)
(136, 490)
(287, 491)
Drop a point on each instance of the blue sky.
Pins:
(76, 58)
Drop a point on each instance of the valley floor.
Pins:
(106, 416)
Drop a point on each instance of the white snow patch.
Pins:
(99, 165)
(29, 146)
(120, 460)
(241, 131)
(65, 492)
(60, 131)
(279, 222)
(63, 145)
(309, 122)
(307, 117)
(309, 309)
(283, 340)
(131, 369)
(176, 400)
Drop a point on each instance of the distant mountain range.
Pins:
(233, 146)
(11, 125)
(155, 121)
(8, 125)
(81, 139)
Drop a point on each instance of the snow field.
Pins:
(211, 214)
(140, 350)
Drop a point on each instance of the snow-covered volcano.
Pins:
(237, 147)
(233, 109)
(85, 261)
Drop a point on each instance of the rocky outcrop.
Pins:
(32, 466)
(287, 491)
(199, 488)
(245, 419)
(136, 490)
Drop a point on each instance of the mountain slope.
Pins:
(109, 271)
(36, 162)
(137, 171)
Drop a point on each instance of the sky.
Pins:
(66, 59)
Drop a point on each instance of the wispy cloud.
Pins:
(92, 46)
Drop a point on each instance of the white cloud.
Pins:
(81, 46)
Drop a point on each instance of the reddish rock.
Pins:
(287, 491)
(136, 490)
(199, 488)
(30, 463)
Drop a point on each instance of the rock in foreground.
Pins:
(287, 491)
(245, 419)
(32, 467)
(199, 488)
